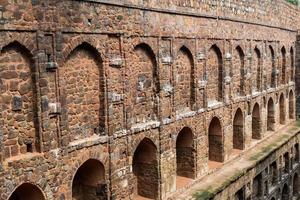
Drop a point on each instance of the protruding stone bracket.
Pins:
(202, 84)
(17, 103)
(168, 89)
(166, 59)
(201, 56)
(115, 97)
(116, 61)
(54, 108)
(51, 66)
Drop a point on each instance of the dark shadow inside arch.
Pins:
(145, 169)
(256, 122)
(89, 182)
(238, 130)
(285, 193)
(297, 153)
(296, 186)
(274, 173)
(215, 141)
(282, 109)
(257, 188)
(283, 65)
(271, 115)
(292, 64)
(241, 57)
(258, 69)
(273, 67)
(185, 155)
(27, 191)
(291, 105)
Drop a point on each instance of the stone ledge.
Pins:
(87, 142)
(144, 126)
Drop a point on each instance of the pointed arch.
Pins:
(282, 109)
(184, 80)
(27, 191)
(292, 60)
(238, 130)
(214, 74)
(143, 84)
(145, 170)
(238, 71)
(256, 77)
(283, 65)
(256, 122)
(297, 153)
(291, 105)
(272, 68)
(215, 141)
(185, 156)
(83, 71)
(274, 173)
(271, 115)
(18, 84)
(89, 181)
(285, 193)
(296, 186)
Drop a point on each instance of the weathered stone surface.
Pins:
(115, 84)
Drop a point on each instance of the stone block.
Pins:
(17, 103)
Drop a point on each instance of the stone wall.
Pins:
(101, 80)
(269, 178)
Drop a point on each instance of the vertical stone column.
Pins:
(226, 73)
(50, 109)
(168, 152)
(297, 75)
(200, 76)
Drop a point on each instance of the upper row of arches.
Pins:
(83, 83)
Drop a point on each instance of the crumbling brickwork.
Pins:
(122, 99)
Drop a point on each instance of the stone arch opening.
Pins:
(185, 156)
(272, 71)
(271, 115)
(145, 170)
(296, 186)
(291, 105)
(256, 122)
(257, 187)
(215, 140)
(89, 181)
(238, 130)
(286, 157)
(27, 191)
(274, 173)
(240, 194)
(283, 65)
(285, 193)
(282, 109)
(83, 71)
(297, 153)
(184, 80)
(143, 84)
(214, 75)
(292, 64)
(18, 91)
(238, 71)
(256, 70)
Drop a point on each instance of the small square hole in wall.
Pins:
(89, 21)
(29, 148)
